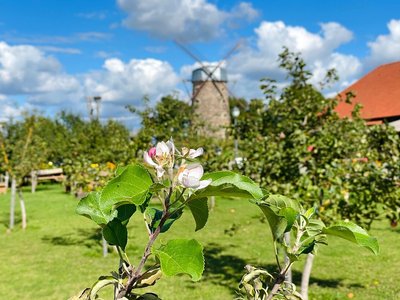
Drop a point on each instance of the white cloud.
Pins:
(9, 108)
(185, 20)
(319, 50)
(127, 83)
(27, 70)
(386, 48)
(39, 81)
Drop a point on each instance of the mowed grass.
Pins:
(60, 253)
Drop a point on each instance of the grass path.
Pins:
(60, 254)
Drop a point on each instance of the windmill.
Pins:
(93, 106)
(210, 94)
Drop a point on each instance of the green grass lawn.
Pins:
(59, 254)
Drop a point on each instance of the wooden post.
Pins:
(12, 203)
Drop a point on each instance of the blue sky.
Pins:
(53, 54)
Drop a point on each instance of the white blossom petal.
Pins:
(171, 146)
(195, 153)
(190, 182)
(195, 170)
(190, 177)
(148, 160)
(160, 171)
(162, 149)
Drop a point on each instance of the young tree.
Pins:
(23, 150)
(304, 150)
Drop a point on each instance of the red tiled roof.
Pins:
(378, 92)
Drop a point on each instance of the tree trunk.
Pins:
(33, 181)
(6, 180)
(23, 210)
(105, 246)
(12, 203)
(288, 276)
(305, 278)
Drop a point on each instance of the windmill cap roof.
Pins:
(210, 73)
(378, 92)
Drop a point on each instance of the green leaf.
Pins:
(149, 296)
(277, 223)
(199, 209)
(290, 216)
(91, 207)
(119, 170)
(181, 257)
(279, 202)
(154, 215)
(353, 233)
(230, 184)
(309, 213)
(116, 234)
(131, 186)
(124, 212)
(101, 283)
(281, 213)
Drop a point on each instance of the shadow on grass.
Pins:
(87, 237)
(227, 270)
(222, 269)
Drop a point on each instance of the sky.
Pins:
(55, 54)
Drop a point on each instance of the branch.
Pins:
(147, 251)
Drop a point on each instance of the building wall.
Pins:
(212, 107)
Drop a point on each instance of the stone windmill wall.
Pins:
(211, 101)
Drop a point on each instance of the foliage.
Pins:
(23, 149)
(301, 148)
(308, 231)
(87, 151)
(177, 182)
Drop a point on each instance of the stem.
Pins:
(278, 281)
(282, 275)
(178, 198)
(277, 256)
(147, 251)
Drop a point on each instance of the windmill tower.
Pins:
(210, 99)
(210, 96)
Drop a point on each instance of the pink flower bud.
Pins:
(310, 148)
(152, 152)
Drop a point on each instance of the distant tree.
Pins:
(23, 150)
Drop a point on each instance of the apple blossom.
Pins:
(160, 156)
(189, 176)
